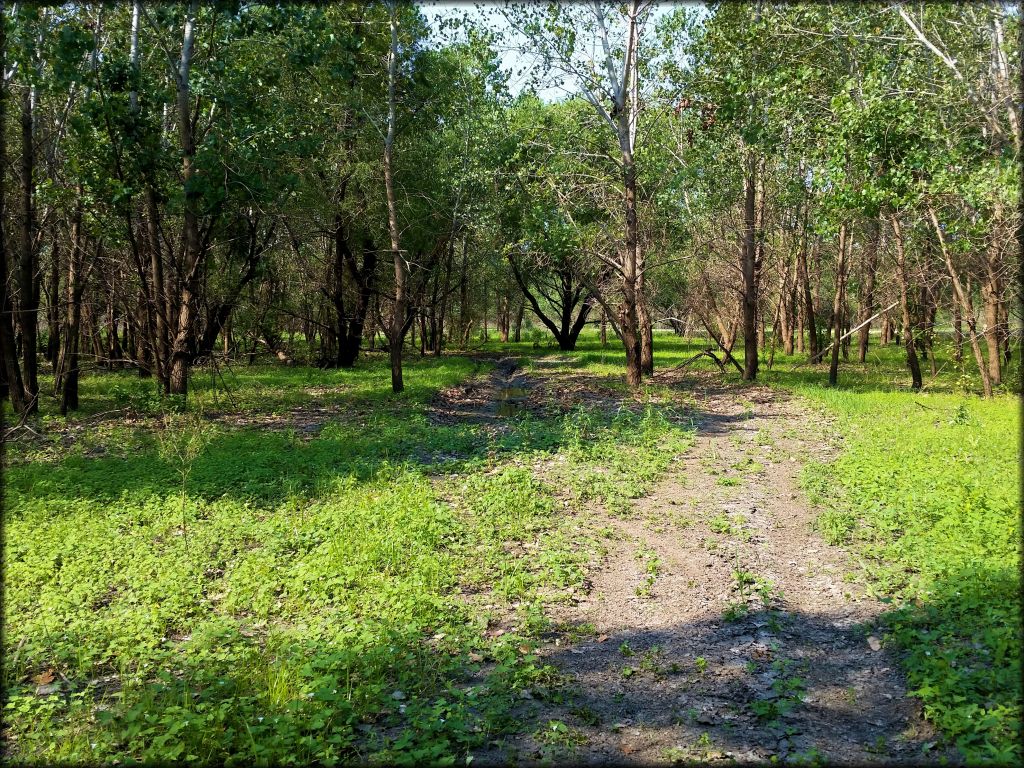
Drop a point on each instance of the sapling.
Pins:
(182, 440)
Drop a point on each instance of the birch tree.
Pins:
(605, 71)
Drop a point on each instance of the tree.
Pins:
(611, 84)
(13, 387)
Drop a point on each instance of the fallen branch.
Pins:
(10, 431)
(721, 345)
(848, 334)
(705, 353)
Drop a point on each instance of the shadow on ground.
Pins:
(770, 685)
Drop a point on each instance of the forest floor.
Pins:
(516, 560)
(717, 624)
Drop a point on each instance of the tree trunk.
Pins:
(627, 118)
(192, 250)
(564, 328)
(115, 354)
(990, 294)
(1004, 325)
(160, 338)
(805, 280)
(487, 296)
(53, 305)
(503, 320)
(440, 304)
(397, 329)
(747, 268)
(799, 310)
(13, 386)
(464, 317)
(926, 314)
(839, 303)
(958, 332)
(646, 330)
(628, 320)
(845, 344)
(68, 379)
(28, 277)
(908, 327)
(867, 302)
(785, 309)
(365, 278)
(966, 302)
(141, 350)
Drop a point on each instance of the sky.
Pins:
(512, 59)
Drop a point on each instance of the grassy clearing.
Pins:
(275, 597)
(335, 596)
(265, 388)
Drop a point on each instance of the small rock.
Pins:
(398, 696)
(46, 690)
(874, 643)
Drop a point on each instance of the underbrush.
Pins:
(262, 388)
(370, 592)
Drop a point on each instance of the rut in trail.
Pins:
(723, 626)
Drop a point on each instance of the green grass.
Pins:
(267, 388)
(930, 497)
(332, 596)
(305, 598)
(926, 490)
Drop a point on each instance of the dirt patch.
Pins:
(720, 625)
(492, 399)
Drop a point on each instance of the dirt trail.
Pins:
(675, 661)
(484, 399)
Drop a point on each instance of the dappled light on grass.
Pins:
(363, 578)
(323, 606)
(927, 490)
